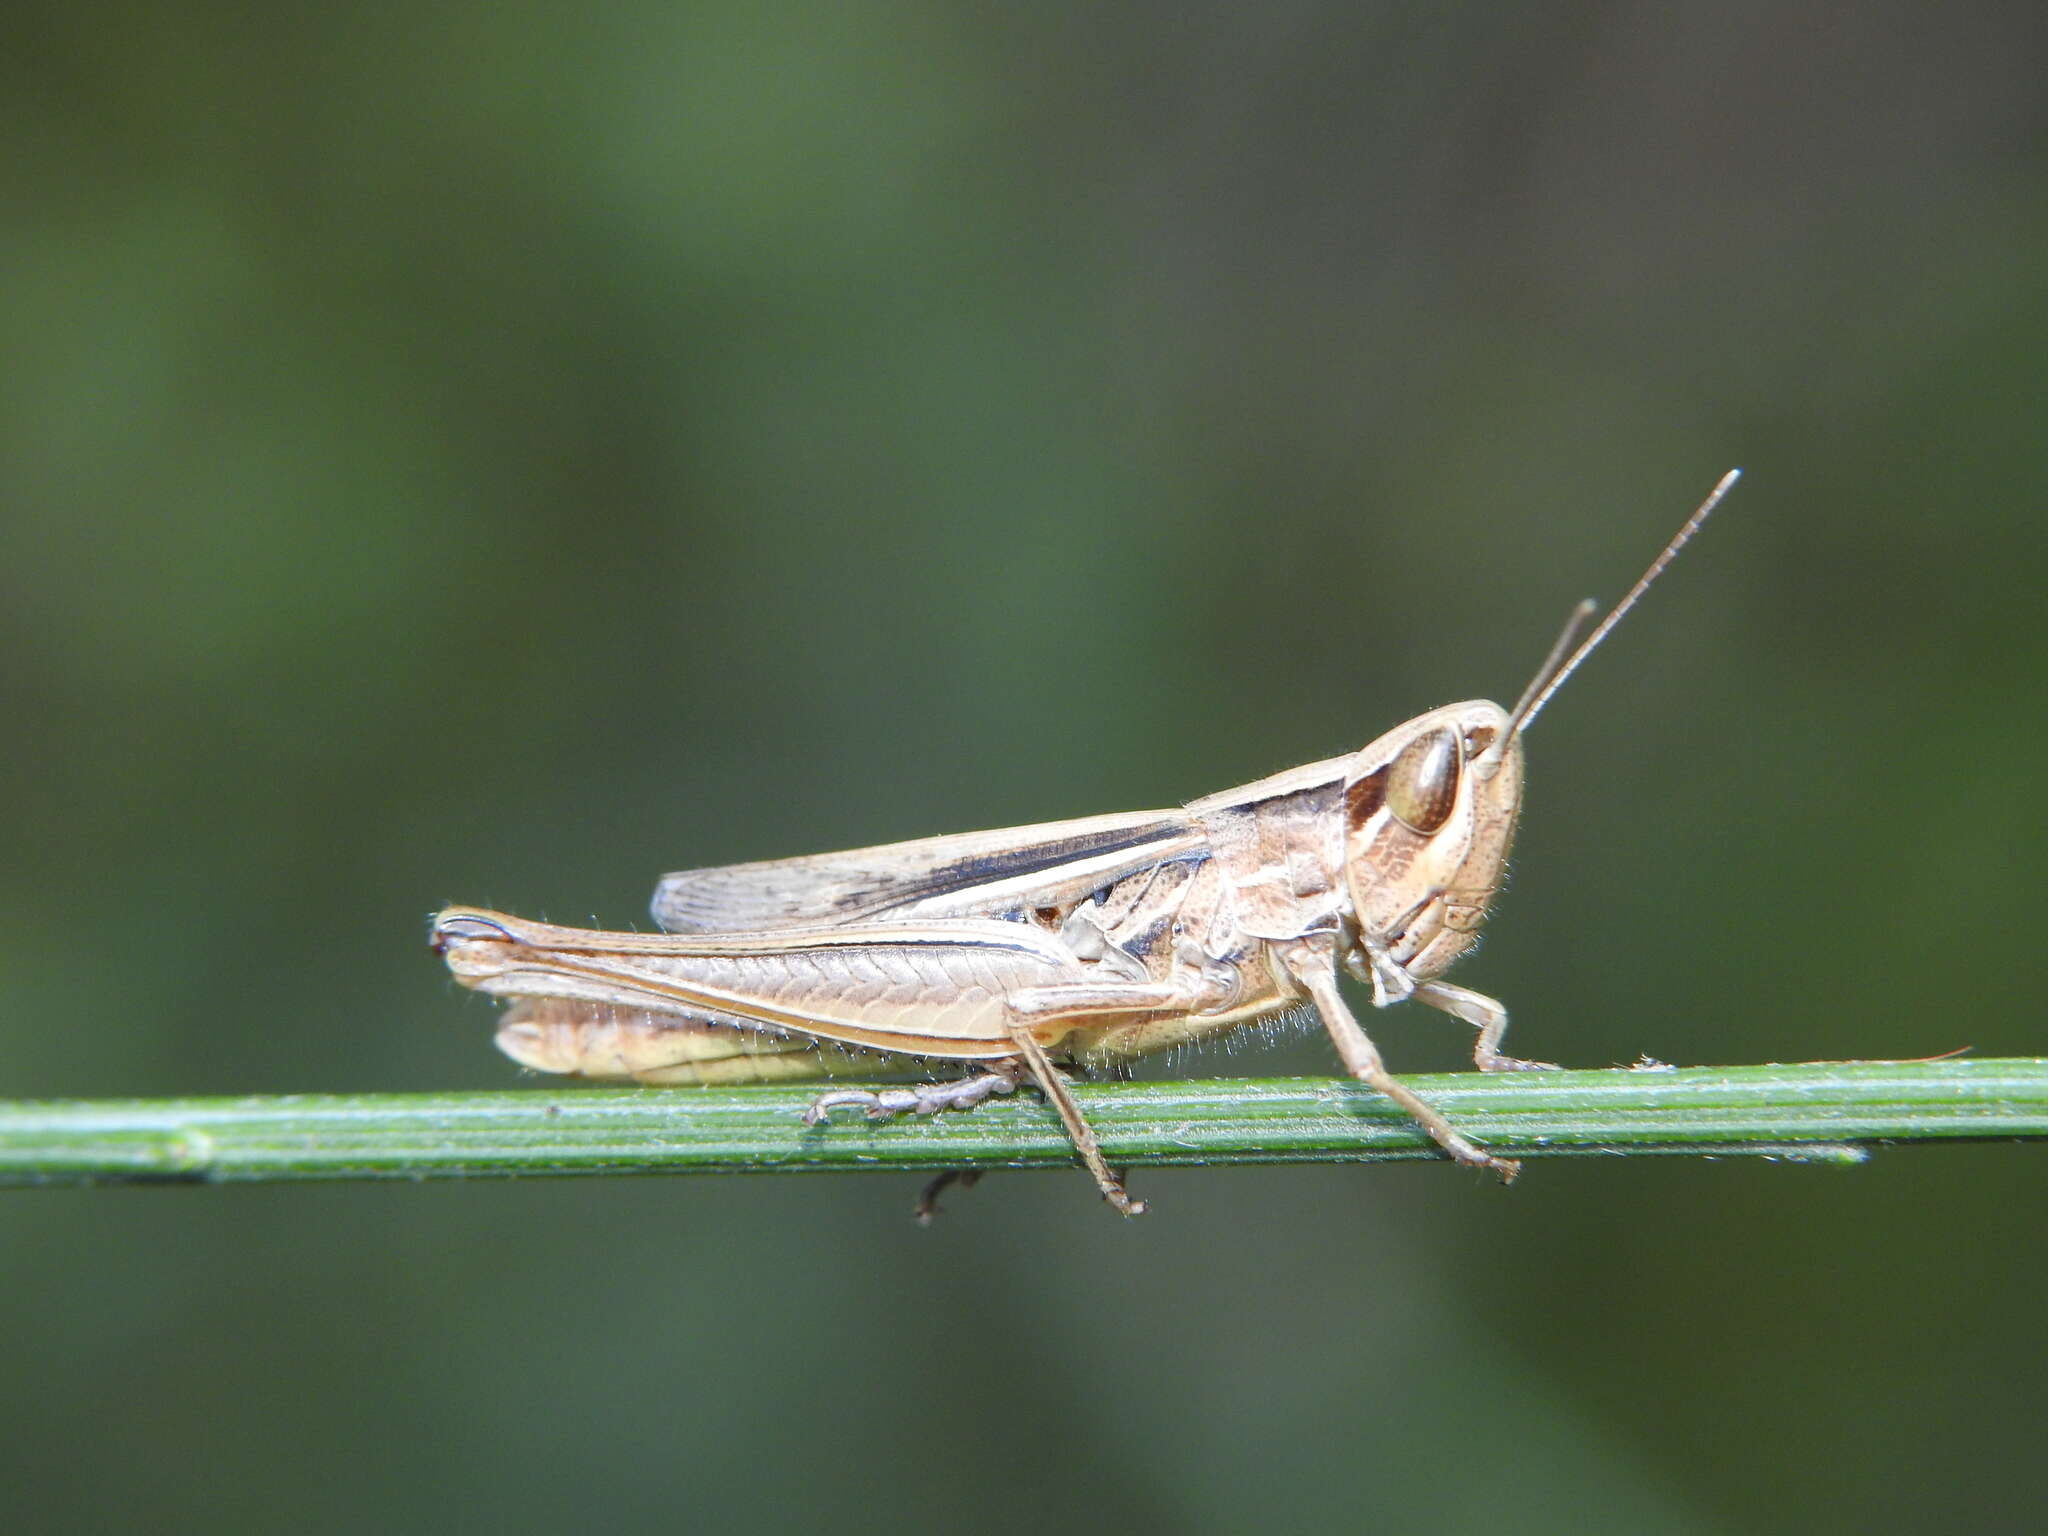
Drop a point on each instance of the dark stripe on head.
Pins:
(1363, 798)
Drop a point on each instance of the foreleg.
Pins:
(1314, 966)
(1485, 1014)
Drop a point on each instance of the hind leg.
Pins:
(921, 1098)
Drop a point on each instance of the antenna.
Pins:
(1552, 674)
(1559, 649)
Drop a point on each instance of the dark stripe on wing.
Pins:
(1019, 863)
(824, 890)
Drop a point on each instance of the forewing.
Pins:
(969, 874)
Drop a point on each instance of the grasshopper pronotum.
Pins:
(1080, 943)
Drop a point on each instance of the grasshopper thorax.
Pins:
(1429, 815)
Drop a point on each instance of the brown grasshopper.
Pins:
(1070, 943)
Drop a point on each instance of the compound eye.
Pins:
(1422, 784)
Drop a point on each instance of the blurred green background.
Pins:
(500, 453)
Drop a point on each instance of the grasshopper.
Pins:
(1077, 943)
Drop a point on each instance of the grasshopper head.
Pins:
(1430, 808)
(1429, 814)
